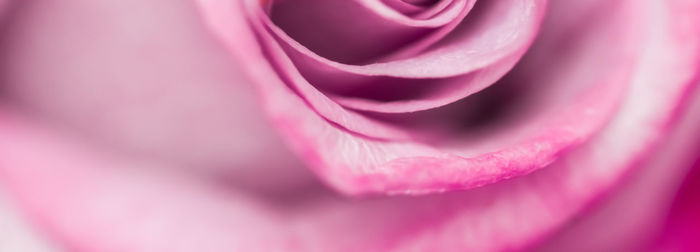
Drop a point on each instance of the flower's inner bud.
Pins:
(420, 9)
(367, 31)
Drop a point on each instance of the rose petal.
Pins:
(683, 222)
(632, 213)
(474, 58)
(344, 157)
(470, 47)
(421, 10)
(106, 75)
(108, 203)
(365, 29)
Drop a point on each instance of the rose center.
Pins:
(364, 31)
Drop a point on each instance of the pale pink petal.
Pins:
(144, 78)
(96, 200)
(571, 95)
(632, 215)
(419, 9)
(364, 30)
(17, 234)
(485, 44)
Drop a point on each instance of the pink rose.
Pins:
(351, 125)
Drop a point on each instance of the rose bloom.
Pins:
(349, 125)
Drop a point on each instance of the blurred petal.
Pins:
(16, 233)
(96, 200)
(633, 213)
(683, 222)
(144, 78)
